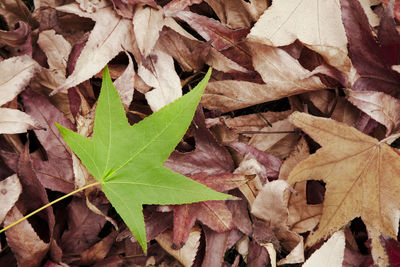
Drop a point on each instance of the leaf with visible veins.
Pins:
(361, 176)
(128, 161)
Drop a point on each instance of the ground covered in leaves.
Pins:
(300, 120)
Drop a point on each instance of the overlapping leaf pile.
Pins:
(296, 121)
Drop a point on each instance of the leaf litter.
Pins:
(294, 122)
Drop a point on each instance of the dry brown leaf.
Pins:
(330, 254)
(10, 189)
(15, 10)
(187, 253)
(16, 73)
(56, 48)
(383, 108)
(271, 206)
(13, 121)
(232, 13)
(316, 24)
(163, 78)
(283, 75)
(360, 175)
(147, 24)
(125, 83)
(302, 217)
(110, 35)
(28, 248)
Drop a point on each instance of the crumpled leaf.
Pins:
(360, 182)
(331, 253)
(316, 24)
(10, 189)
(13, 121)
(118, 150)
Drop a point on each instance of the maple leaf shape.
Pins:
(361, 176)
(128, 161)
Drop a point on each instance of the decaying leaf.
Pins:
(360, 175)
(10, 189)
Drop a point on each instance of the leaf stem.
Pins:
(48, 205)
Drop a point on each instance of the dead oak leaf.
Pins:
(361, 176)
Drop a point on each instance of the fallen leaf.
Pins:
(188, 252)
(359, 183)
(317, 25)
(369, 56)
(164, 79)
(110, 35)
(18, 76)
(10, 189)
(141, 150)
(383, 108)
(147, 24)
(331, 253)
(233, 13)
(125, 84)
(13, 121)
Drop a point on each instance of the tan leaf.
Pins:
(383, 108)
(16, 72)
(331, 253)
(316, 24)
(14, 121)
(56, 48)
(110, 35)
(283, 75)
(188, 252)
(232, 13)
(125, 84)
(15, 10)
(147, 24)
(10, 189)
(28, 248)
(98, 251)
(164, 80)
(302, 217)
(360, 175)
(271, 206)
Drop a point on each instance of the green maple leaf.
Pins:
(128, 160)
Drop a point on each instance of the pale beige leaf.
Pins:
(302, 217)
(188, 252)
(147, 24)
(164, 80)
(360, 175)
(110, 35)
(331, 253)
(383, 108)
(271, 206)
(56, 48)
(125, 84)
(26, 245)
(10, 189)
(231, 13)
(317, 24)
(283, 75)
(15, 74)
(14, 121)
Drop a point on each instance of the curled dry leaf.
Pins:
(125, 83)
(233, 14)
(331, 253)
(383, 108)
(10, 189)
(316, 24)
(360, 182)
(187, 253)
